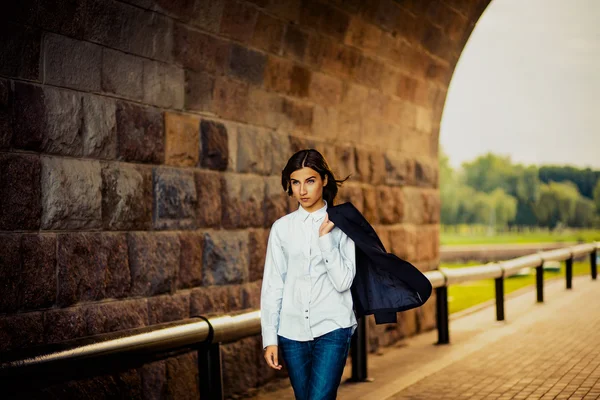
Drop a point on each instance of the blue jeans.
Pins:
(315, 367)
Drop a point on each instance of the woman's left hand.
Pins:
(326, 226)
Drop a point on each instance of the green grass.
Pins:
(478, 235)
(469, 294)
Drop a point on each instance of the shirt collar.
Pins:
(316, 215)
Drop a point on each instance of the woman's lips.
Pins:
(305, 199)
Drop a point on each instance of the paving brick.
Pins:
(174, 198)
(20, 48)
(140, 133)
(71, 194)
(72, 63)
(20, 191)
(122, 74)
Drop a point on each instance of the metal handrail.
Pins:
(229, 328)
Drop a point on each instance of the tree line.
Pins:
(493, 191)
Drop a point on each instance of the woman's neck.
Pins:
(317, 206)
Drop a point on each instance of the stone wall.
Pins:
(141, 143)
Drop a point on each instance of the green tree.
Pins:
(557, 203)
(596, 196)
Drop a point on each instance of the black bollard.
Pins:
(499, 298)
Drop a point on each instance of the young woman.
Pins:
(306, 304)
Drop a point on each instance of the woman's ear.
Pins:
(325, 180)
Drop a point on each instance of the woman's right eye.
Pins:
(295, 183)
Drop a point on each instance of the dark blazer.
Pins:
(384, 284)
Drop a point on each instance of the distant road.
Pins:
(494, 252)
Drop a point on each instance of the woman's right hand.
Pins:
(271, 357)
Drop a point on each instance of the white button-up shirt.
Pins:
(306, 282)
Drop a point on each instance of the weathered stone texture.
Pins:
(153, 261)
(182, 146)
(209, 194)
(174, 198)
(21, 331)
(116, 316)
(164, 85)
(214, 145)
(192, 255)
(215, 300)
(20, 48)
(243, 198)
(140, 134)
(71, 194)
(126, 197)
(168, 308)
(122, 74)
(226, 259)
(20, 192)
(99, 127)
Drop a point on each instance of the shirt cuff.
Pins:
(269, 339)
(326, 242)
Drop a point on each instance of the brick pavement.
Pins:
(542, 351)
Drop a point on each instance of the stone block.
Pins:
(182, 143)
(325, 122)
(99, 127)
(214, 145)
(140, 132)
(246, 64)
(295, 43)
(192, 254)
(280, 152)
(71, 194)
(362, 34)
(399, 170)
(64, 324)
(207, 14)
(253, 152)
(298, 115)
(28, 116)
(130, 29)
(286, 9)
(72, 63)
(126, 197)
(38, 271)
(230, 99)
(174, 198)
(340, 60)
(286, 77)
(64, 17)
(276, 200)
(264, 108)
(209, 189)
(238, 20)
(391, 204)
(6, 123)
(345, 162)
(199, 87)
(89, 265)
(354, 98)
(316, 49)
(371, 211)
(154, 380)
(432, 206)
(10, 272)
(404, 242)
(20, 48)
(20, 191)
(351, 193)
(168, 308)
(122, 74)
(116, 316)
(226, 259)
(197, 51)
(268, 33)
(325, 90)
(369, 72)
(257, 247)
(251, 295)
(243, 198)
(215, 300)
(350, 126)
(21, 331)
(427, 243)
(163, 85)
(182, 377)
(153, 259)
(363, 165)
(239, 366)
(334, 23)
(425, 173)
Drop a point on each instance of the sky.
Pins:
(527, 85)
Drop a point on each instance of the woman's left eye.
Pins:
(311, 181)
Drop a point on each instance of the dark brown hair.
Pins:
(311, 158)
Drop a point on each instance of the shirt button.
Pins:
(326, 261)
(305, 310)
(306, 317)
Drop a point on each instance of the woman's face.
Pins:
(307, 188)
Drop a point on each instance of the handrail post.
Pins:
(441, 302)
(569, 272)
(210, 371)
(593, 264)
(539, 280)
(358, 352)
(499, 298)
